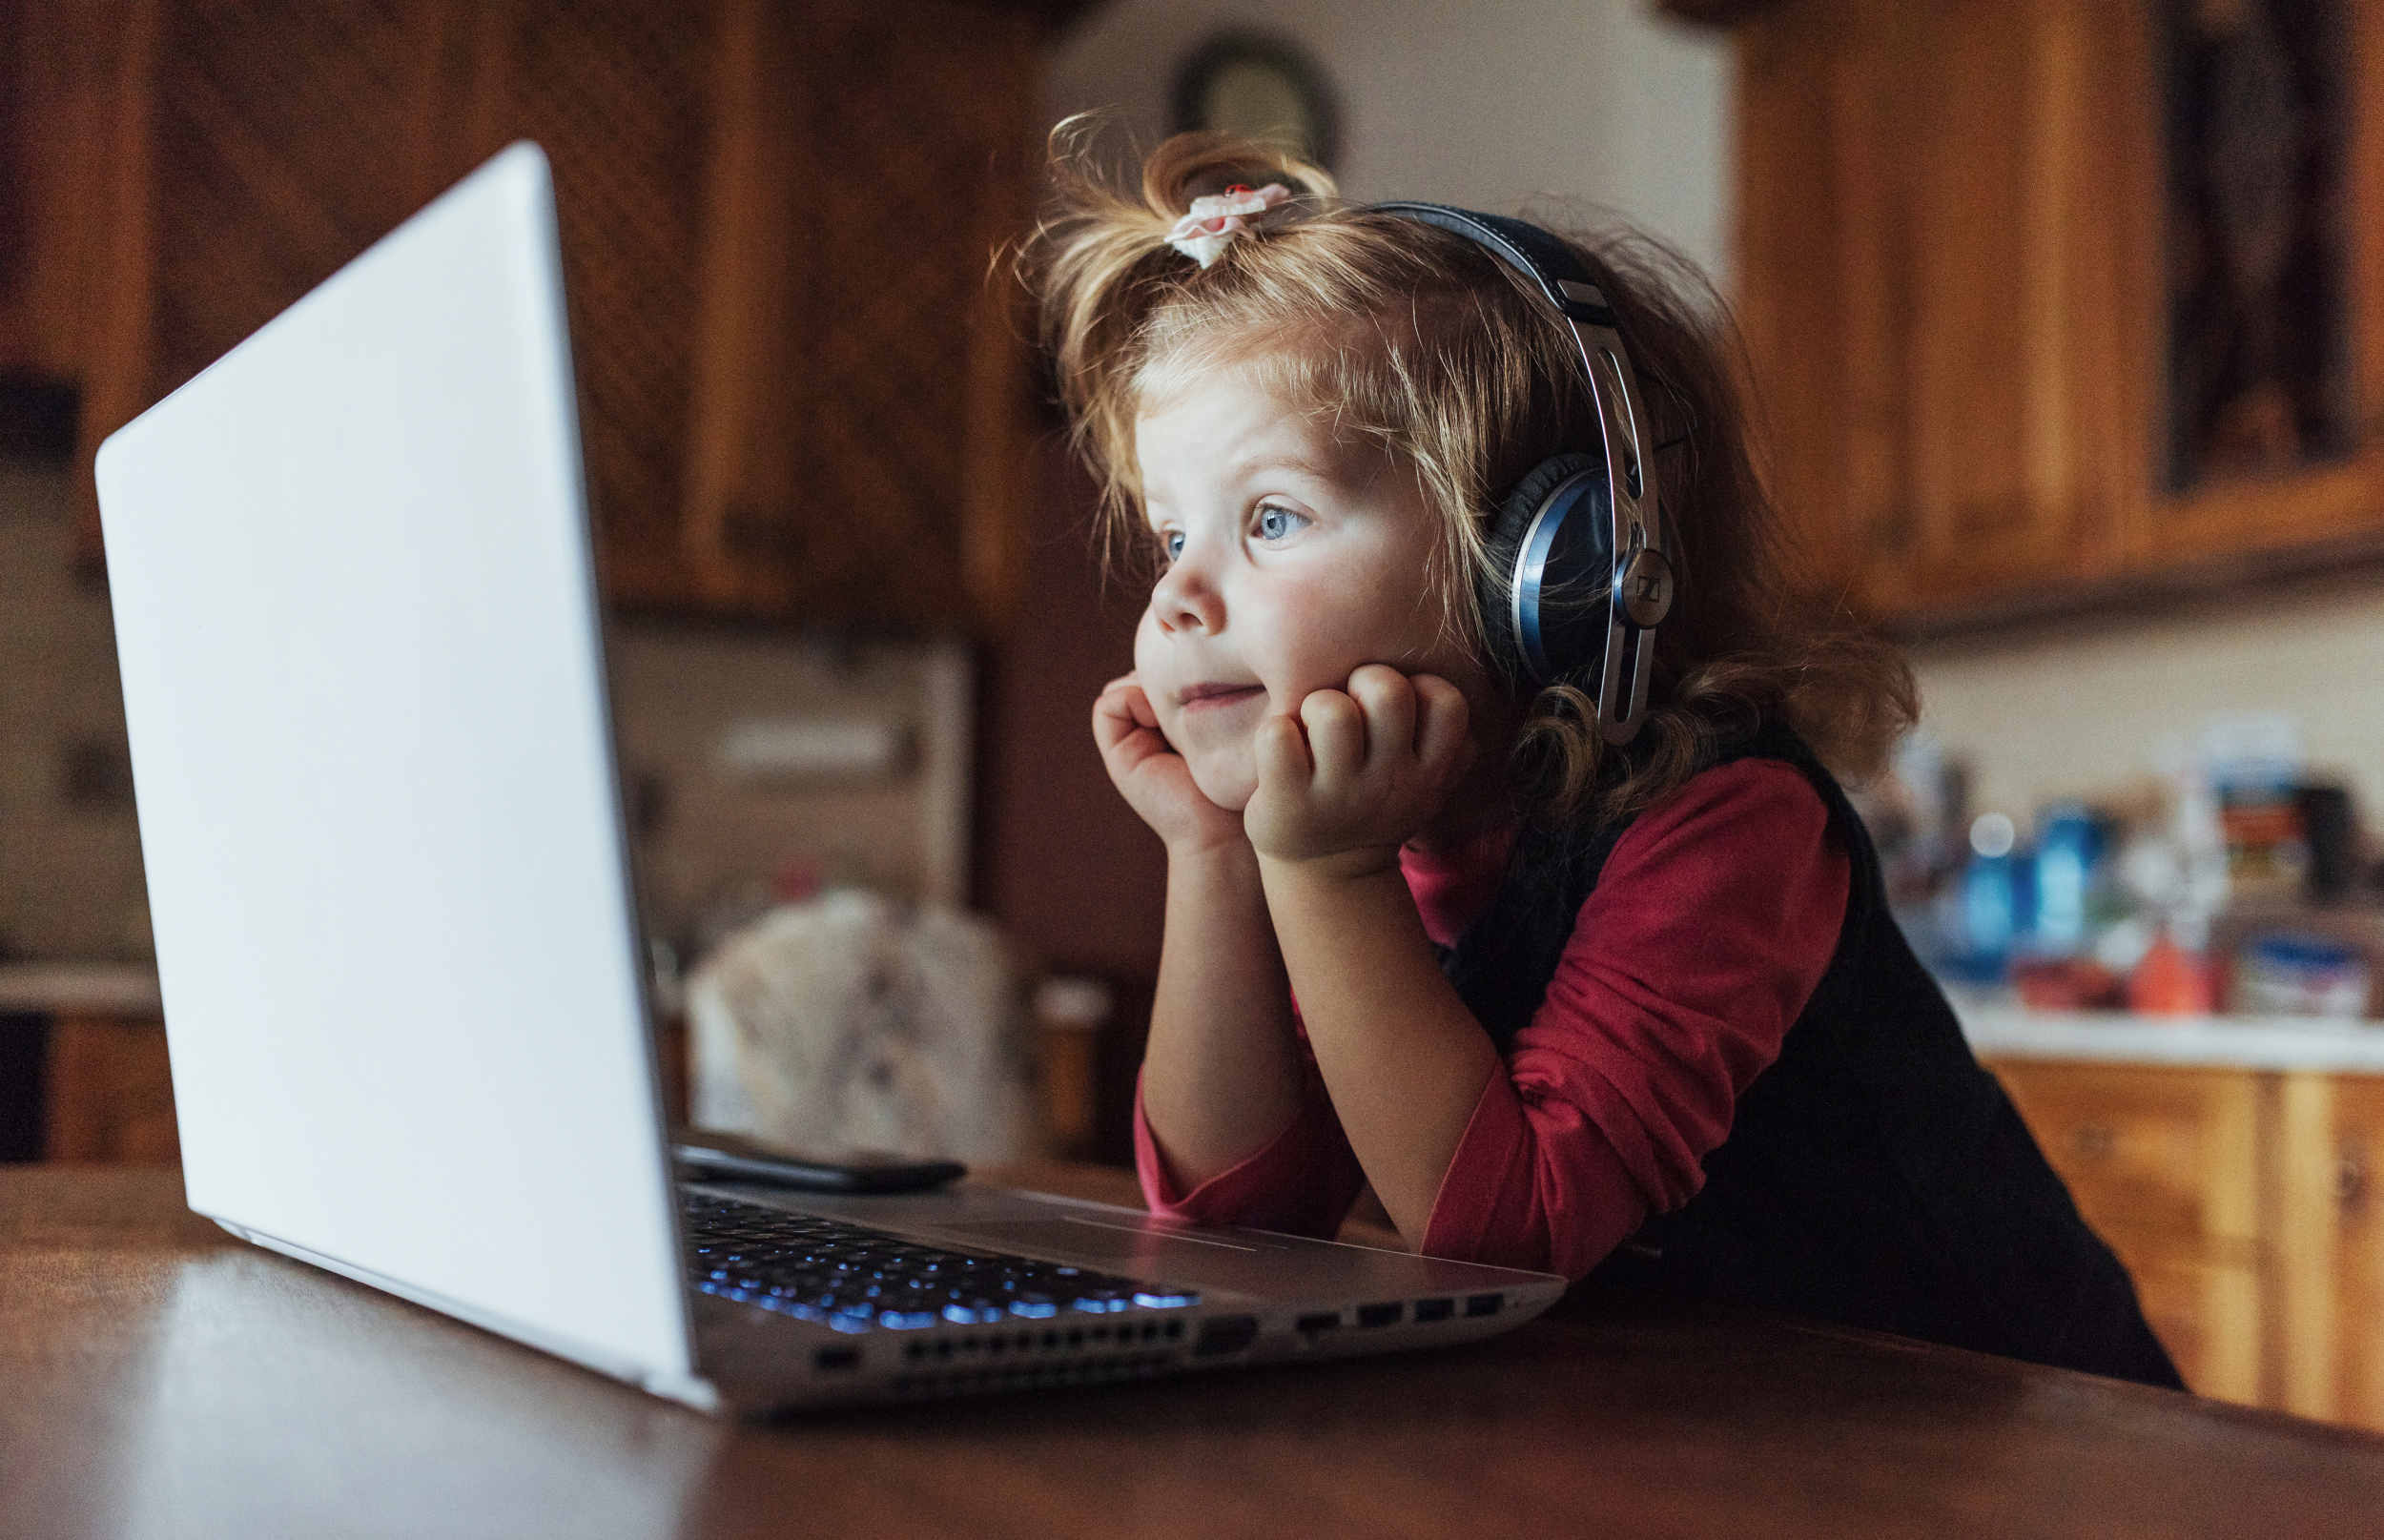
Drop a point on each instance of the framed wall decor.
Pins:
(1267, 88)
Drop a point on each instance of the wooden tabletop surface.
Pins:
(157, 1378)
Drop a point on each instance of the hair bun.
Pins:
(1207, 161)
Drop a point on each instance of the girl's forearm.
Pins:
(1220, 1077)
(1404, 1059)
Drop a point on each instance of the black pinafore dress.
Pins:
(1875, 1174)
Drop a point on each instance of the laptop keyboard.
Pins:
(857, 1279)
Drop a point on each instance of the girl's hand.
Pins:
(1152, 776)
(1359, 773)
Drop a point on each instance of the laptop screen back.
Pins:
(362, 669)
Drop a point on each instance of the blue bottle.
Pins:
(1998, 902)
(2067, 846)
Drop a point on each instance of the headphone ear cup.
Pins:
(1579, 564)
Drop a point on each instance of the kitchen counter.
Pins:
(1999, 1027)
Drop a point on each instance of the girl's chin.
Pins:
(1229, 785)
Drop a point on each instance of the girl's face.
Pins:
(1294, 558)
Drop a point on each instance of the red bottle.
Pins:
(2170, 981)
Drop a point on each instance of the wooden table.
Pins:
(157, 1378)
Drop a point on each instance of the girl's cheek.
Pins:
(1330, 624)
(1151, 655)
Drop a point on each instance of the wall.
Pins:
(2077, 708)
(1483, 104)
(722, 831)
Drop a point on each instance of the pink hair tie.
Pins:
(1204, 233)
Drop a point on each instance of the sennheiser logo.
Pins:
(1646, 589)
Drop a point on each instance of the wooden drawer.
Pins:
(2160, 1159)
(2330, 1247)
(2165, 1163)
(110, 1092)
(2209, 1315)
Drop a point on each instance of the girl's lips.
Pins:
(1196, 697)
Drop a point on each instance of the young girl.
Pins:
(1632, 1008)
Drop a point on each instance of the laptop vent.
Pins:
(988, 1347)
(1015, 1359)
(1029, 1374)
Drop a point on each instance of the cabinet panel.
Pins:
(1955, 269)
(859, 379)
(801, 382)
(2332, 504)
(2168, 1156)
(65, 119)
(285, 137)
(2207, 1315)
(620, 93)
(2330, 1247)
(1935, 203)
(2166, 1164)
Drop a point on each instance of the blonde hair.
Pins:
(1415, 340)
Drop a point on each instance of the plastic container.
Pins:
(2293, 975)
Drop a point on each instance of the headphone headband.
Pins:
(1639, 589)
(1528, 249)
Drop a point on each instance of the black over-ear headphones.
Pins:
(1577, 550)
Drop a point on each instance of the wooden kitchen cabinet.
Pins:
(2166, 1165)
(1954, 272)
(802, 389)
(2331, 1246)
(109, 1092)
(2242, 1202)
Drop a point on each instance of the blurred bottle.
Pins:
(1997, 903)
(1070, 1013)
(2171, 980)
(2331, 830)
(2069, 846)
(2254, 765)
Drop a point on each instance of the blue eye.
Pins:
(1172, 542)
(1277, 523)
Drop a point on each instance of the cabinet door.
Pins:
(110, 1092)
(2330, 1247)
(1938, 205)
(2165, 1163)
(801, 386)
(621, 95)
(1956, 262)
(2322, 507)
(195, 169)
(858, 454)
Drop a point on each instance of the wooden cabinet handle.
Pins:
(2092, 1141)
(2350, 1178)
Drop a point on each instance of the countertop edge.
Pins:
(85, 988)
(1997, 1030)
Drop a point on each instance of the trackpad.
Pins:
(1155, 1249)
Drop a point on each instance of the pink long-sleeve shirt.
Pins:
(1713, 919)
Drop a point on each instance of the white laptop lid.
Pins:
(363, 666)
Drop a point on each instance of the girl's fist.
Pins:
(1151, 775)
(1359, 772)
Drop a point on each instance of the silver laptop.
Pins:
(364, 668)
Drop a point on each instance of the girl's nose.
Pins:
(1184, 601)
